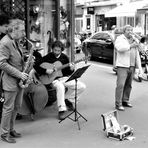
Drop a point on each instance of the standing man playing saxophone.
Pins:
(4, 21)
(127, 60)
(11, 63)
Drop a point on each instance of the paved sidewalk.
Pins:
(46, 132)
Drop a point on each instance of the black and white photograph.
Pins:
(73, 73)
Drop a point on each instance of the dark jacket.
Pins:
(50, 58)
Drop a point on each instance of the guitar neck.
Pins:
(63, 66)
(66, 65)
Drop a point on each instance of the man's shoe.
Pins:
(7, 138)
(62, 115)
(121, 108)
(14, 134)
(69, 105)
(127, 104)
(19, 117)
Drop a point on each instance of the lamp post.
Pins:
(27, 24)
(72, 28)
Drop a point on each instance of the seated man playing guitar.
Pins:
(55, 68)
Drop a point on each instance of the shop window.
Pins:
(88, 23)
(130, 21)
(99, 22)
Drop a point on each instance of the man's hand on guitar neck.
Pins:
(72, 66)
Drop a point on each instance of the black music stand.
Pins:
(77, 74)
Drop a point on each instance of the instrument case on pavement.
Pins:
(113, 128)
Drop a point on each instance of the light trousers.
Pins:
(12, 103)
(66, 90)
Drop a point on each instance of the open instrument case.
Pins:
(113, 128)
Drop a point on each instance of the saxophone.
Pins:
(28, 66)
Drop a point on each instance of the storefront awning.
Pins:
(128, 10)
(143, 10)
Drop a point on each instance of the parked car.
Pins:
(99, 45)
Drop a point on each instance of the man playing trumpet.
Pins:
(127, 60)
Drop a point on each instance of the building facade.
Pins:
(100, 15)
(128, 13)
(93, 15)
(46, 21)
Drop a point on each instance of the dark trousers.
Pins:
(1, 106)
(124, 84)
(1, 103)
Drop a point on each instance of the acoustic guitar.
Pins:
(49, 78)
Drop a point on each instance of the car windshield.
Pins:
(101, 36)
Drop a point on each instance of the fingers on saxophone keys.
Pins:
(24, 76)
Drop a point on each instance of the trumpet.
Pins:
(135, 37)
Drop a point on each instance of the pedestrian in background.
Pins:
(113, 30)
(4, 21)
(144, 54)
(138, 29)
(127, 60)
(12, 64)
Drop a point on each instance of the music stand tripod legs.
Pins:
(77, 115)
